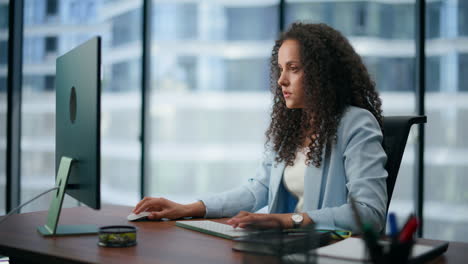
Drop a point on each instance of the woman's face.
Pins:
(291, 74)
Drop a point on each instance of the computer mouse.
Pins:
(136, 217)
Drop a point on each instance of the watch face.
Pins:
(297, 218)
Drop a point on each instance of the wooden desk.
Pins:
(158, 242)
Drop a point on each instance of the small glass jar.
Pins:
(117, 236)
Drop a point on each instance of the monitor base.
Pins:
(67, 230)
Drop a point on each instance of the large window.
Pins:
(51, 28)
(210, 94)
(446, 198)
(3, 97)
(383, 33)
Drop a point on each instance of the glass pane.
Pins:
(210, 94)
(382, 32)
(3, 98)
(51, 28)
(446, 197)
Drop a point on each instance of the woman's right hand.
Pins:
(164, 208)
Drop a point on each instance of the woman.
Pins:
(323, 143)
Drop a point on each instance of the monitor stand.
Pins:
(51, 228)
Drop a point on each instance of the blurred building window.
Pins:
(52, 28)
(252, 22)
(126, 28)
(247, 75)
(463, 73)
(52, 7)
(446, 147)
(50, 48)
(4, 16)
(50, 44)
(49, 83)
(433, 78)
(462, 12)
(210, 82)
(3, 51)
(433, 15)
(3, 84)
(175, 20)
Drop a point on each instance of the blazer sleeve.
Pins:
(364, 164)
(250, 196)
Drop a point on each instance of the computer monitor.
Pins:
(77, 139)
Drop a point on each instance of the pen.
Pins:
(393, 225)
(407, 221)
(407, 232)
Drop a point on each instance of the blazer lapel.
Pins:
(275, 181)
(312, 187)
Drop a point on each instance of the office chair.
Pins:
(395, 135)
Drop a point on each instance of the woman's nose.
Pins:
(282, 81)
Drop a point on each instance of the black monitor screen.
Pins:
(77, 122)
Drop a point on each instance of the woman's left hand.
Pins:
(245, 219)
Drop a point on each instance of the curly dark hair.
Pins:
(334, 78)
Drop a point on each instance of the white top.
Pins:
(294, 179)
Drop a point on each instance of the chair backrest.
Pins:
(395, 135)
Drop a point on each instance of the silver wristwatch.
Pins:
(297, 220)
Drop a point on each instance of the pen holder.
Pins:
(389, 252)
(399, 252)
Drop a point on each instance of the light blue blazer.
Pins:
(354, 165)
